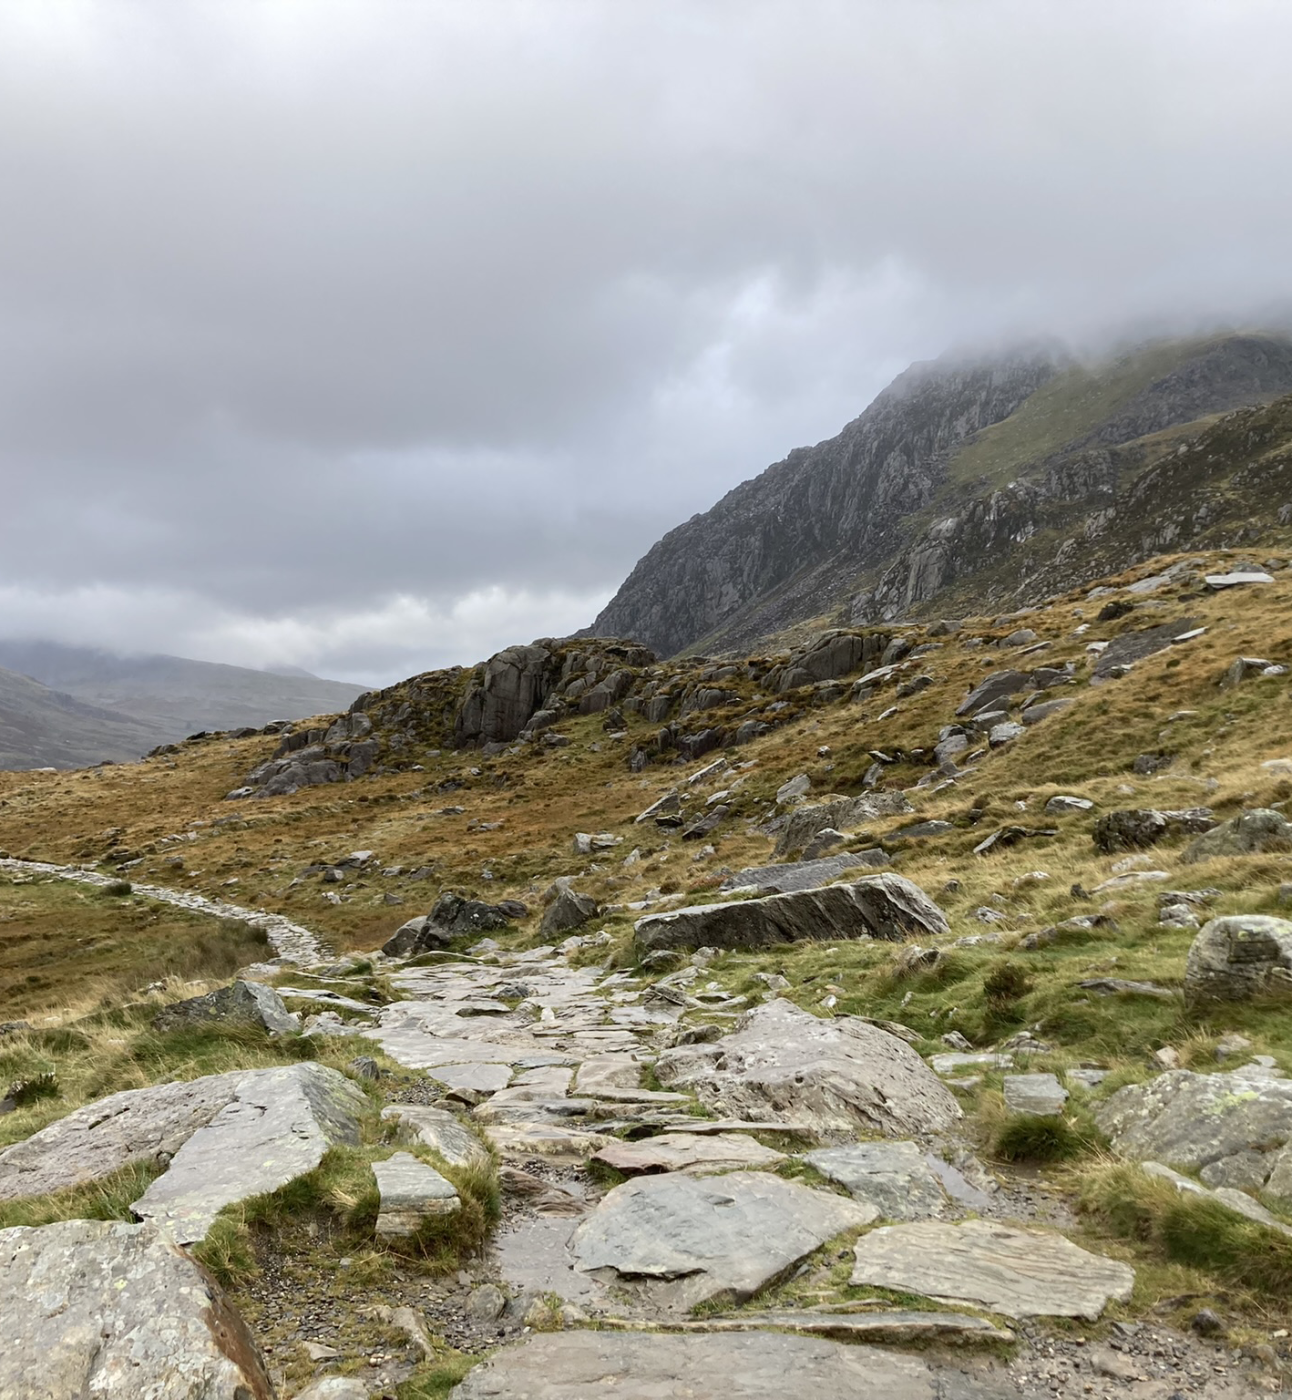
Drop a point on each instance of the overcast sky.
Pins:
(374, 336)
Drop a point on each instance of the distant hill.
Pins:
(968, 482)
(44, 728)
(137, 702)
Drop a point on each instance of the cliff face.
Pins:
(830, 507)
(946, 477)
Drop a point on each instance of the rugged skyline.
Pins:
(370, 338)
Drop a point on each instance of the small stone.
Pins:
(486, 1303)
(1034, 1095)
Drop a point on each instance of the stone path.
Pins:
(549, 1063)
(290, 941)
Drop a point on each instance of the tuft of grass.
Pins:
(1187, 1229)
(1026, 1138)
(108, 1199)
(435, 1380)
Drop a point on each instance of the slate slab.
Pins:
(439, 1130)
(1034, 1095)
(277, 1127)
(741, 1366)
(679, 1240)
(687, 1152)
(1020, 1273)
(411, 1193)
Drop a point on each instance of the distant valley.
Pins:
(68, 707)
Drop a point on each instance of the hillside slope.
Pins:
(170, 695)
(877, 522)
(40, 728)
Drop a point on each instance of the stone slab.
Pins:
(411, 1193)
(835, 1076)
(743, 1366)
(1019, 1273)
(680, 1241)
(439, 1130)
(803, 874)
(894, 1177)
(1034, 1095)
(277, 1128)
(479, 1078)
(687, 1152)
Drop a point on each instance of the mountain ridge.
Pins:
(867, 525)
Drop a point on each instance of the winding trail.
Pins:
(290, 941)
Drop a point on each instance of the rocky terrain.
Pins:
(978, 483)
(902, 1012)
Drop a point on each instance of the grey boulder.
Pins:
(247, 1003)
(1250, 833)
(680, 1241)
(885, 906)
(115, 1311)
(1239, 957)
(837, 814)
(568, 910)
(834, 1077)
(1224, 1127)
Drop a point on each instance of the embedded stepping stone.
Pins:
(899, 1326)
(894, 1177)
(479, 1079)
(687, 1152)
(680, 1241)
(742, 1366)
(1020, 1273)
(602, 1072)
(411, 1194)
(1035, 1095)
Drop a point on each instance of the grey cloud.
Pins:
(305, 309)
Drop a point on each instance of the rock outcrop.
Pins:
(833, 1077)
(886, 906)
(224, 1138)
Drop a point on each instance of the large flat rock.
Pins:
(833, 1077)
(1233, 1128)
(885, 906)
(136, 1125)
(277, 1127)
(680, 1241)
(96, 1308)
(739, 1366)
(1020, 1273)
(894, 1177)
